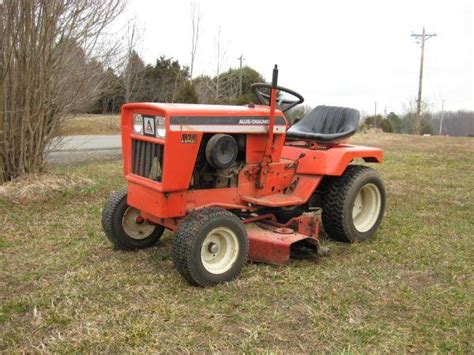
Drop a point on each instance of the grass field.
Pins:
(63, 288)
(90, 124)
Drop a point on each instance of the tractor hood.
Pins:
(171, 110)
(212, 118)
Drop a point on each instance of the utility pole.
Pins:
(424, 36)
(375, 117)
(241, 58)
(441, 118)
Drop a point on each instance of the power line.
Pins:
(424, 36)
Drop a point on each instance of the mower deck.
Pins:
(274, 243)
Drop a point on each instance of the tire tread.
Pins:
(335, 195)
(112, 229)
(183, 244)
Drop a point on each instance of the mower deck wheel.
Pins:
(353, 204)
(210, 246)
(123, 225)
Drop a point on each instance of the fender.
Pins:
(331, 161)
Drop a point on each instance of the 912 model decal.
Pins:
(189, 138)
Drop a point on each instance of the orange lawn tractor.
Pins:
(236, 183)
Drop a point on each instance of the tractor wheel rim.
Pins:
(367, 207)
(219, 250)
(135, 228)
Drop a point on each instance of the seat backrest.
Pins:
(326, 124)
(330, 120)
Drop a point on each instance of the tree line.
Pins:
(448, 123)
(169, 81)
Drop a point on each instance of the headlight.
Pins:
(137, 124)
(160, 127)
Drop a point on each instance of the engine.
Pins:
(220, 159)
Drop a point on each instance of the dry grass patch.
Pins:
(416, 144)
(63, 288)
(90, 124)
(41, 187)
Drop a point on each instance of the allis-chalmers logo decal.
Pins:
(253, 121)
(189, 138)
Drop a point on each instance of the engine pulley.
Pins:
(221, 151)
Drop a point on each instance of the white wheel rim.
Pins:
(219, 250)
(134, 227)
(366, 208)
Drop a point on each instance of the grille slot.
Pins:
(147, 159)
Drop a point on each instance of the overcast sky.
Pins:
(347, 53)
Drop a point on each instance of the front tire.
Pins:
(210, 246)
(353, 204)
(124, 227)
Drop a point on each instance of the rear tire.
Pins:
(210, 246)
(119, 222)
(353, 204)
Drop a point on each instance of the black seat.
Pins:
(326, 124)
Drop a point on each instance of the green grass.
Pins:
(63, 287)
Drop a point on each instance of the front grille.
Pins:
(147, 159)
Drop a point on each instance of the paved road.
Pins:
(75, 143)
(83, 148)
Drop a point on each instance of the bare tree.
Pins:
(195, 24)
(133, 66)
(50, 66)
(219, 59)
(410, 118)
(216, 86)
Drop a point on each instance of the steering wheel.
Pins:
(283, 104)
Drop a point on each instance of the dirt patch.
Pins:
(40, 187)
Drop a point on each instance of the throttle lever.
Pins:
(295, 163)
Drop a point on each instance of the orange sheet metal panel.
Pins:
(331, 161)
(155, 202)
(266, 245)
